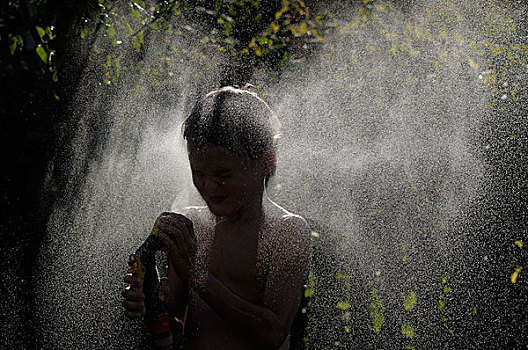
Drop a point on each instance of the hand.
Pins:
(134, 301)
(177, 233)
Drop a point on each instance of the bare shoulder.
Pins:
(289, 238)
(287, 224)
(193, 213)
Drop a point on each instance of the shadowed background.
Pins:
(404, 142)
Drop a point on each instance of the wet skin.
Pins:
(217, 258)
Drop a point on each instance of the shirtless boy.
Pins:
(237, 266)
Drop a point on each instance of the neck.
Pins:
(252, 212)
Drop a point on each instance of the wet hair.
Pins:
(234, 118)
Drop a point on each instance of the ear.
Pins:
(268, 161)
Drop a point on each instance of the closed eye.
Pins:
(223, 174)
(197, 173)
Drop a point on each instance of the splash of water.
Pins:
(379, 153)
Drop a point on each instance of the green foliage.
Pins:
(15, 42)
(235, 28)
(42, 53)
(292, 21)
(410, 300)
(408, 330)
(377, 310)
(18, 20)
(343, 305)
(310, 289)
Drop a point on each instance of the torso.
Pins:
(236, 255)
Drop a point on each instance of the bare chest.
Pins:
(233, 260)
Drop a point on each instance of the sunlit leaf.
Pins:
(515, 274)
(410, 300)
(407, 330)
(472, 63)
(497, 50)
(42, 53)
(110, 31)
(343, 305)
(15, 42)
(380, 8)
(41, 31)
(84, 32)
(377, 310)
(49, 33)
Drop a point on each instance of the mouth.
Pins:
(216, 199)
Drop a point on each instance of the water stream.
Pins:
(382, 152)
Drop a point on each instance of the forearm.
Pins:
(176, 297)
(255, 321)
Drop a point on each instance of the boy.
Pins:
(236, 267)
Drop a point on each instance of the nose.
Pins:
(211, 184)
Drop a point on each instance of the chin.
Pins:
(220, 210)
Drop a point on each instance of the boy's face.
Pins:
(228, 183)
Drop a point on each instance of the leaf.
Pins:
(263, 40)
(41, 32)
(376, 312)
(340, 275)
(497, 50)
(380, 8)
(138, 41)
(275, 27)
(43, 54)
(414, 52)
(49, 33)
(15, 43)
(111, 31)
(445, 279)
(343, 305)
(410, 300)
(309, 292)
(472, 63)
(515, 274)
(84, 32)
(407, 330)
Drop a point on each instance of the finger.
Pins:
(171, 227)
(186, 227)
(179, 220)
(176, 231)
(132, 280)
(167, 218)
(131, 295)
(170, 243)
(172, 232)
(189, 236)
(133, 306)
(132, 314)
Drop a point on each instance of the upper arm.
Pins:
(288, 269)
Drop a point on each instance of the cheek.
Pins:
(197, 183)
(234, 187)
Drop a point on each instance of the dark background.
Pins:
(36, 128)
